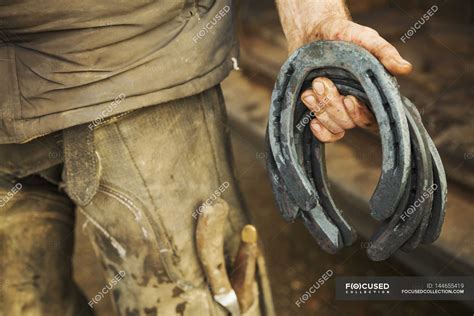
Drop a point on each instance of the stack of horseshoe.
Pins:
(410, 197)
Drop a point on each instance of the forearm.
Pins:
(300, 18)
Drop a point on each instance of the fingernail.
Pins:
(310, 100)
(349, 104)
(319, 87)
(316, 126)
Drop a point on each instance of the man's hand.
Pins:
(307, 21)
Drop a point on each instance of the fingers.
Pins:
(326, 103)
(327, 93)
(360, 115)
(319, 108)
(383, 50)
(323, 134)
(345, 30)
(334, 113)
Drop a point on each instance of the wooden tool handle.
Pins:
(210, 245)
(243, 274)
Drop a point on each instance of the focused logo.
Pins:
(367, 288)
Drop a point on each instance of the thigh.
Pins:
(36, 243)
(158, 165)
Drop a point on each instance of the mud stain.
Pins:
(177, 291)
(153, 311)
(180, 308)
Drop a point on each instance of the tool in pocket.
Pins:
(236, 295)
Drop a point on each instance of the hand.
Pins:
(334, 113)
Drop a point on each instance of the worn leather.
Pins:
(81, 164)
(36, 246)
(159, 164)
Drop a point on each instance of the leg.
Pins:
(159, 164)
(36, 243)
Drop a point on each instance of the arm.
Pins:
(304, 21)
(300, 19)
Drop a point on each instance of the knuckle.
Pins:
(335, 138)
(386, 47)
(336, 129)
(323, 137)
(326, 139)
(347, 124)
(329, 84)
(370, 32)
(361, 123)
(322, 118)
